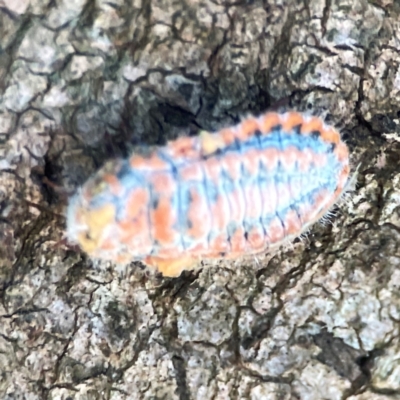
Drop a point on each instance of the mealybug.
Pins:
(236, 192)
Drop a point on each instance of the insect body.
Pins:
(236, 192)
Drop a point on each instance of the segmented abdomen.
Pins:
(228, 194)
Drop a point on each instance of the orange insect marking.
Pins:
(291, 120)
(186, 147)
(247, 129)
(312, 125)
(172, 267)
(330, 135)
(268, 121)
(96, 221)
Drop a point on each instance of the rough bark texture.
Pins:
(82, 81)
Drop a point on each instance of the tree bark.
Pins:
(85, 81)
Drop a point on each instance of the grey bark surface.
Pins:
(85, 81)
